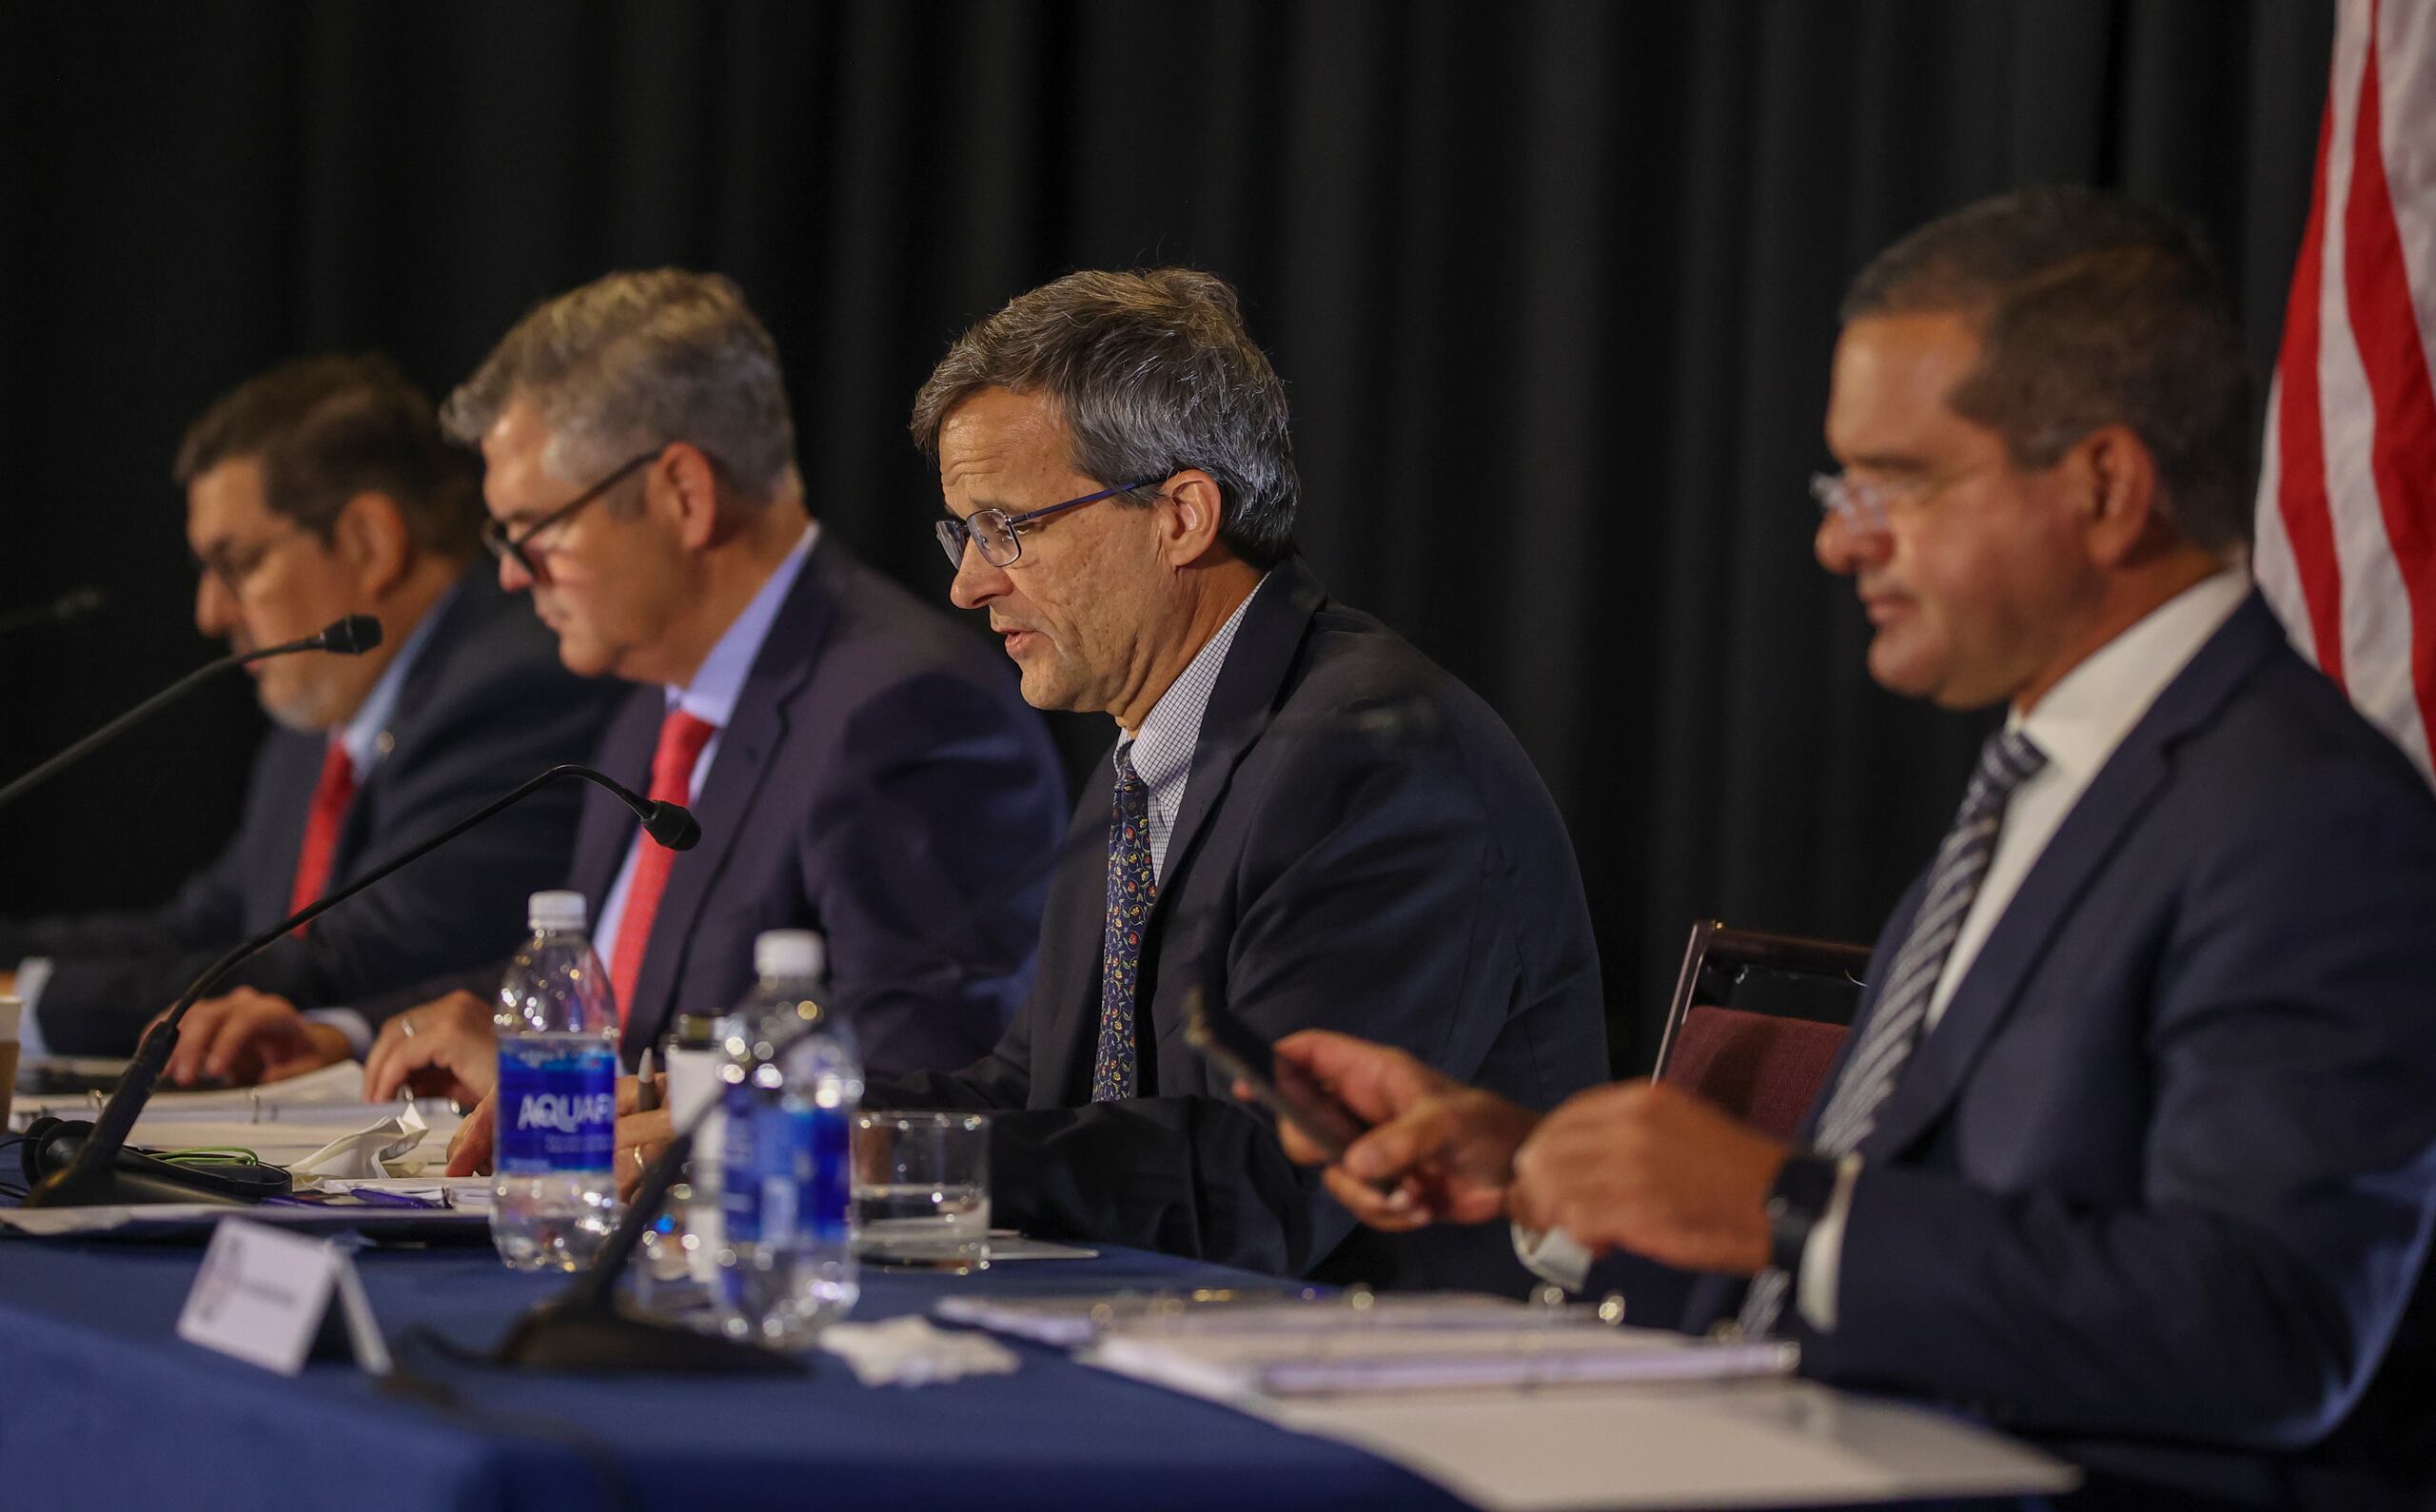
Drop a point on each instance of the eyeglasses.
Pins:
(1000, 535)
(236, 566)
(520, 547)
(1860, 505)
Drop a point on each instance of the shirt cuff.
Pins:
(1552, 1255)
(1822, 1252)
(357, 1028)
(34, 973)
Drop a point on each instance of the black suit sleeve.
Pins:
(923, 868)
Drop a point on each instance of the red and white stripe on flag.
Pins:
(2346, 503)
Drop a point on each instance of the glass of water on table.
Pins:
(922, 1190)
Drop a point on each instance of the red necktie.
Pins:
(336, 790)
(681, 738)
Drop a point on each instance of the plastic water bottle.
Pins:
(790, 1083)
(553, 1196)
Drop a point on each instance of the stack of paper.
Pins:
(1321, 1361)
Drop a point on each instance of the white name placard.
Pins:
(263, 1296)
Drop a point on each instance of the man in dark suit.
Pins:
(320, 489)
(2134, 1144)
(1303, 818)
(857, 763)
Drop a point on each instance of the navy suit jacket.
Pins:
(882, 782)
(1361, 846)
(2158, 1187)
(484, 706)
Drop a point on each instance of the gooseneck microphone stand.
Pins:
(94, 1177)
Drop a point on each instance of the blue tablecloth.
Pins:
(103, 1406)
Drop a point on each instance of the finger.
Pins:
(469, 1153)
(243, 1042)
(1393, 1212)
(1422, 1136)
(393, 1059)
(194, 1039)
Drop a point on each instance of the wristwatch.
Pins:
(1804, 1186)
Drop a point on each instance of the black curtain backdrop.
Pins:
(1552, 286)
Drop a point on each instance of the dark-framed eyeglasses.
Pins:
(999, 535)
(517, 545)
(235, 566)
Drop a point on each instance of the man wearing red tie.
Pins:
(860, 763)
(320, 489)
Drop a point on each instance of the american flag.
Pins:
(2347, 503)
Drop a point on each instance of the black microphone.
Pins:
(94, 1177)
(350, 637)
(68, 607)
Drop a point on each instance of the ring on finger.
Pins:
(406, 1027)
(639, 1163)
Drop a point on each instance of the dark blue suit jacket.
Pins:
(484, 706)
(1363, 846)
(881, 781)
(2159, 1186)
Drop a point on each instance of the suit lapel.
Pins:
(474, 599)
(2082, 846)
(1240, 705)
(755, 732)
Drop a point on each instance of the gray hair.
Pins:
(1152, 372)
(634, 360)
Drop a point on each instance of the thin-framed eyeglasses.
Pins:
(1861, 505)
(999, 535)
(506, 545)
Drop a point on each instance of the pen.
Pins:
(647, 1095)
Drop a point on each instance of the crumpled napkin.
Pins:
(363, 1154)
(909, 1351)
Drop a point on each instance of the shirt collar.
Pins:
(362, 736)
(2085, 715)
(711, 697)
(1162, 749)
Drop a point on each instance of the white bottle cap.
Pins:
(788, 953)
(555, 911)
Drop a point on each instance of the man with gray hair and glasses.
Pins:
(1303, 822)
(858, 763)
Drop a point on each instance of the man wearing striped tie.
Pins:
(2132, 1146)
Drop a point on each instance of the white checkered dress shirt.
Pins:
(1162, 750)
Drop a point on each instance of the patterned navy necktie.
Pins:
(2008, 761)
(1132, 884)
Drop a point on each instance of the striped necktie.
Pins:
(1132, 884)
(1886, 1043)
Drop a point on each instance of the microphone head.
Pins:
(673, 825)
(351, 636)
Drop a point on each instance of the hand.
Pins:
(1439, 1151)
(640, 1138)
(1647, 1168)
(441, 1049)
(247, 1036)
(469, 1152)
